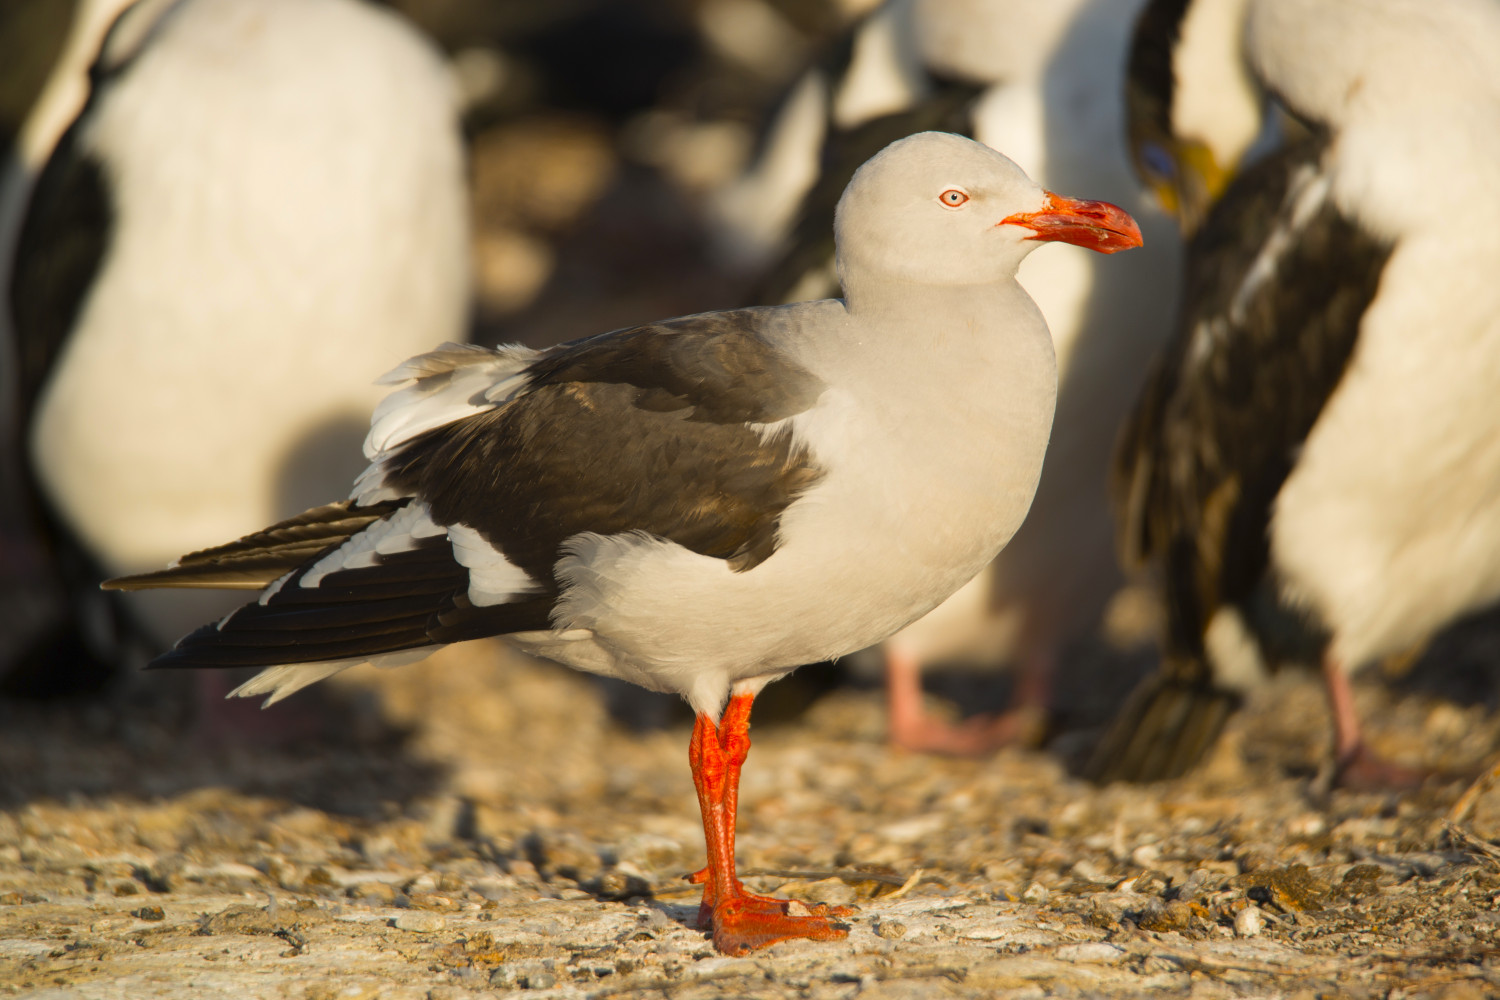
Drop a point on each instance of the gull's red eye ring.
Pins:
(953, 198)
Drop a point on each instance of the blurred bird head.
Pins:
(1193, 108)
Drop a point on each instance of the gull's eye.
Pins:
(953, 198)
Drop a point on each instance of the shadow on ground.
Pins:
(149, 738)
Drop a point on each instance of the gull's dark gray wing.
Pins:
(654, 430)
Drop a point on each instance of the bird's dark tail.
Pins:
(255, 561)
(1167, 726)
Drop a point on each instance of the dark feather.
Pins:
(61, 249)
(354, 612)
(713, 363)
(638, 430)
(72, 640)
(256, 560)
(1151, 79)
(1166, 726)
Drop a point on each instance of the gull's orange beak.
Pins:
(1096, 225)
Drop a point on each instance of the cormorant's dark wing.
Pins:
(62, 245)
(62, 636)
(1278, 280)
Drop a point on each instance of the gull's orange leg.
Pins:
(741, 921)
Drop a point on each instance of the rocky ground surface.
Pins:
(481, 826)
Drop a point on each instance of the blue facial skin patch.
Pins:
(1157, 160)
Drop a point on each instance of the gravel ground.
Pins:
(479, 825)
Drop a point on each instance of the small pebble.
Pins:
(1092, 951)
(1152, 883)
(1035, 893)
(1159, 916)
(1146, 855)
(620, 885)
(1306, 826)
(431, 901)
(828, 891)
(319, 880)
(381, 893)
(654, 920)
(890, 929)
(149, 913)
(420, 921)
(1249, 922)
(1446, 723)
(469, 977)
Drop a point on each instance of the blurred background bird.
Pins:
(43, 94)
(1195, 112)
(248, 180)
(1310, 473)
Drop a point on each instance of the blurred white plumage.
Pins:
(277, 179)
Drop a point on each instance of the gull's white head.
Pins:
(941, 209)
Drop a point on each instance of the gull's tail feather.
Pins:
(258, 560)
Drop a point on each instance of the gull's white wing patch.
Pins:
(493, 579)
(398, 533)
(435, 389)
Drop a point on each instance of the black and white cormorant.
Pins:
(1312, 470)
(261, 203)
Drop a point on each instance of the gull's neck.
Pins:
(912, 311)
(931, 346)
